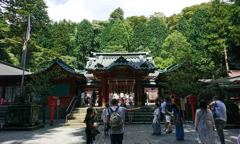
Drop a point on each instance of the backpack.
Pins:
(115, 121)
(168, 108)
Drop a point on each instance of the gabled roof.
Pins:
(59, 63)
(107, 61)
(7, 69)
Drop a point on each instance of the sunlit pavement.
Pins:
(134, 134)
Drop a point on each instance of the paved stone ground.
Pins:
(135, 134)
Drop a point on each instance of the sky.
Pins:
(77, 10)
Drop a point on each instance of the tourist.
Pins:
(105, 119)
(156, 120)
(204, 124)
(131, 101)
(178, 121)
(116, 133)
(82, 98)
(220, 116)
(94, 98)
(168, 114)
(91, 127)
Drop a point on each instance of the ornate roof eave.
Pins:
(64, 67)
(119, 65)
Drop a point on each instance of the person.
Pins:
(168, 114)
(105, 119)
(144, 99)
(156, 120)
(131, 100)
(178, 121)
(116, 135)
(93, 98)
(82, 98)
(220, 116)
(204, 124)
(90, 125)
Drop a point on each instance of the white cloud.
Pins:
(76, 10)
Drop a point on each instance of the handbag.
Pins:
(94, 131)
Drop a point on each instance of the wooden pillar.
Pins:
(104, 92)
(138, 91)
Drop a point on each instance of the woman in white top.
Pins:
(204, 124)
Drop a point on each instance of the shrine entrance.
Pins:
(121, 75)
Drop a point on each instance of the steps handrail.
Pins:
(71, 105)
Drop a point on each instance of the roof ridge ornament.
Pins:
(121, 59)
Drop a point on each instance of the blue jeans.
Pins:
(220, 124)
(116, 138)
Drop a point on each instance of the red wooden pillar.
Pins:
(104, 92)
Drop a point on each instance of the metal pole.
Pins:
(24, 55)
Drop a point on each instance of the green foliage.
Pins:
(85, 42)
(157, 31)
(115, 33)
(196, 38)
(117, 14)
(175, 49)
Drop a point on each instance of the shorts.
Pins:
(168, 118)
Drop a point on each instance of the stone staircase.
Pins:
(76, 119)
(138, 115)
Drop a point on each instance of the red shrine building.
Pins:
(115, 74)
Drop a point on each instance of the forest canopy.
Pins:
(198, 37)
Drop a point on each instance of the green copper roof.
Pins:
(134, 60)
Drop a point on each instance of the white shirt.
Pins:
(163, 107)
(156, 114)
(104, 115)
(221, 110)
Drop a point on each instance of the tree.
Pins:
(15, 13)
(157, 31)
(175, 50)
(85, 39)
(139, 41)
(115, 34)
(117, 14)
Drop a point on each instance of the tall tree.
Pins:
(115, 36)
(85, 40)
(157, 31)
(15, 13)
(117, 14)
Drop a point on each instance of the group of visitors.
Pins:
(87, 100)
(208, 117)
(123, 99)
(169, 112)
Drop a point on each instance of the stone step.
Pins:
(80, 110)
(75, 125)
(76, 121)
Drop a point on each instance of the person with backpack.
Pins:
(116, 118)
(220, 116)
(156, 120)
